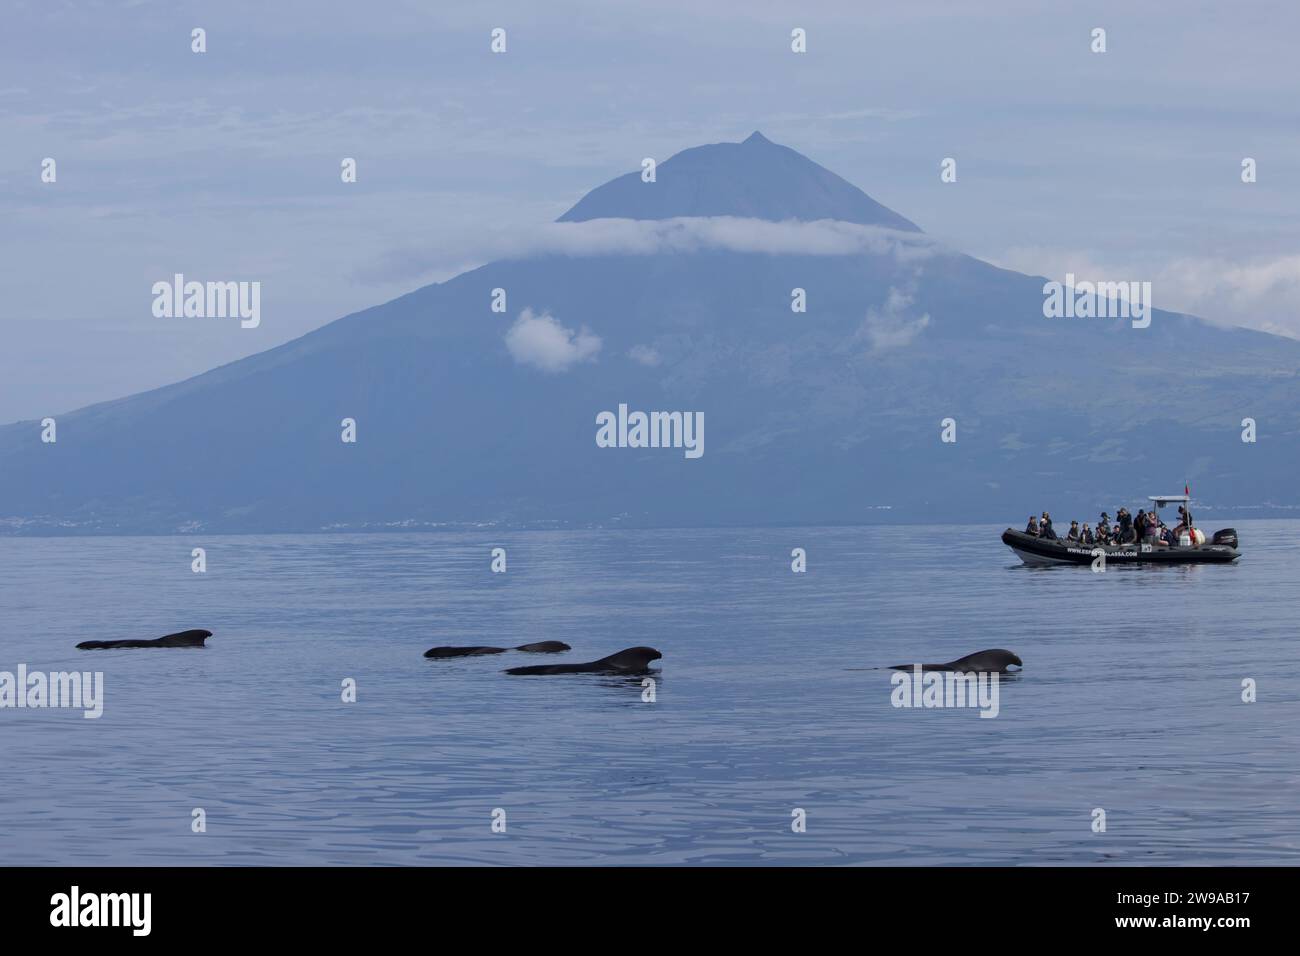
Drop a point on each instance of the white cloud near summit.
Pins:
(686, 234)
(542, 342)
(824, 237)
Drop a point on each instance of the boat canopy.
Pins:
(1162, 500)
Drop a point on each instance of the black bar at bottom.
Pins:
(333, 904)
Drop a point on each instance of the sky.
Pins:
(1123, 165)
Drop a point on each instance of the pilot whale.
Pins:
(634, 660)
(541, 647)
(193, 638)
(994, 660)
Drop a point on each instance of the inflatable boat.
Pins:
(1223, 548)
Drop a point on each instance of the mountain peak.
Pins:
(754, 179)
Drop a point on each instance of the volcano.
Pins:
(476, 401)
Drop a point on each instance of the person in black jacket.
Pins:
(1045, 527)
(1032, 527)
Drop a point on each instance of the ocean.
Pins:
(765, 719)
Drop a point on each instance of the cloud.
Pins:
(823, 237)
(647, 237)
(1263, 294)
(644, 355)
(889, 327)
(1260, 293)
(541, 341)
(885, 113)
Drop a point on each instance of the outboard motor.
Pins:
(1227, 536)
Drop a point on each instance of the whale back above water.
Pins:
(462, 651)
(539, 647)
(544, 647)
(993, 660)
(634, 660)
(192, 638)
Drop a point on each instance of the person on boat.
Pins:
(1032, 527)
(1167, 536)
(1125, 533)
(1085, 536)
(1140, 525)
(1073, 533)
(1103, 527)
(1154, 530)
(1045, 529)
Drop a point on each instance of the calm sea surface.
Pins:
(1130, 700)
